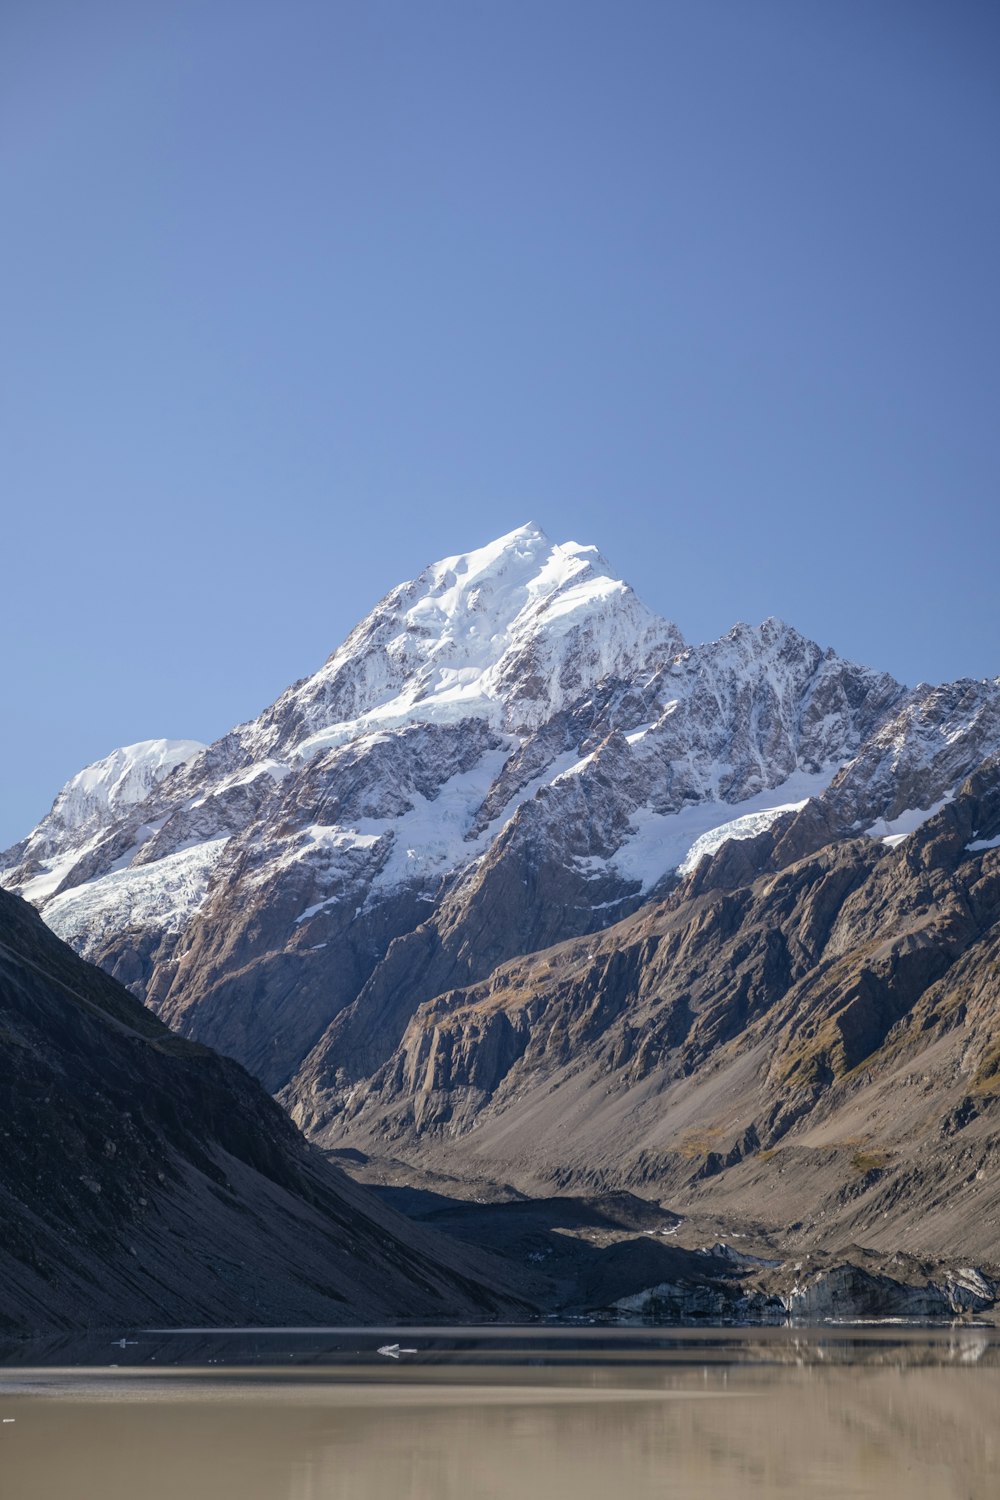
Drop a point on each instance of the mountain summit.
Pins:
(508, 633)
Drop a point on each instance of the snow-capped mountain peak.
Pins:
(120, 779)
(509, 750)
(508, 632)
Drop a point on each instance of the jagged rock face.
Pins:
(509, 752)
(147, 1180)
(832, 1023)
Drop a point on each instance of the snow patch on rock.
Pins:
(978, 845)
(893, 831)
(662, 843)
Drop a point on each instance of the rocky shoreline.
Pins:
(859, 1289)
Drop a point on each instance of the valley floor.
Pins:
(619, 1255)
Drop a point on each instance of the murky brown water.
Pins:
(629, 1416)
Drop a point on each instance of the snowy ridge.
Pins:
(125, 777)
(89, 803)
(922, 751)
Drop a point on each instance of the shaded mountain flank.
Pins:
(143, 1179)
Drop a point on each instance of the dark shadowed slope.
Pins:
(144, 1179)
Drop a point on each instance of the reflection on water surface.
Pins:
(296, 1415)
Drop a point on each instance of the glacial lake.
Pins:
(825, 1413)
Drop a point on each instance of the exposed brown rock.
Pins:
(821, 1040)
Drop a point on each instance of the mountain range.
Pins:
(521, 888)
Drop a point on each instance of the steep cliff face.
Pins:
(146, 1180)
(813, 1041)
(509, 752)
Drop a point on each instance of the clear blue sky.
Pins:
(299, 295)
